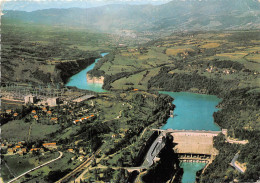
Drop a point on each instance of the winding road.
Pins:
(16, 178)
(236, 166)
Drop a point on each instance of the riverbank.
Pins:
(84, 80)
(95, 80)
(68, 69)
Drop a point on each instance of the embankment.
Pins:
(93, 79)
(68, 69)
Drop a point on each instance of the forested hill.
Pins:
(175, 15)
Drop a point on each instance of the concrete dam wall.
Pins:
(194, 142)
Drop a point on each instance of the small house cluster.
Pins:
(17, 148)
(44, 112)
(84, 118)
(21, 148)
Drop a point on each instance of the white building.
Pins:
(29, 99)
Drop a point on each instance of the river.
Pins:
(79, 80)
(192, 112)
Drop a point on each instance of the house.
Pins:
(21, 142)
(76, 121)
(71, 150)
(35, 117)
(24, 150)
(52, 145)
(8, 111)
(15, 114)
(49, 112)
(80, 158)
(29, 99)
(44, 109)
(53, 101)
(33, 111)
(36, 150)
(10, 151)
(54, 119)
(3, 146)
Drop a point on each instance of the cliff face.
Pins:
(69, 69)
(92, 79)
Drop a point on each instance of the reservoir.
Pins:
(192, 112)
(79, 80)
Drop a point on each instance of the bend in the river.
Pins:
(192, 112)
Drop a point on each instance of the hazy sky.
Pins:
(33, 5)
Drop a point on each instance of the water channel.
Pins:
(79, 80)
(192, 112)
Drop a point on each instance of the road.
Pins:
(149, 155)
(79, 168)
(16, 178)
(233, 163)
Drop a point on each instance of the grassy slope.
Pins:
(188, 54)
(30, 52)
(188, 58)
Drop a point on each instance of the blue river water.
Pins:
(192, 112)
(190, 170)
(79, 80)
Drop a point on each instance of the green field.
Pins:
(20, 164)
(18, 130)
(191, 53)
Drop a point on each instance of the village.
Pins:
(35, 108)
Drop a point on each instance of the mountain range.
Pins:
(176, 15)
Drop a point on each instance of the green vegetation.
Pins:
(19, 130)
(120, 127)
(218, 63)
(44, 54)
(18, 165)
(195, 58)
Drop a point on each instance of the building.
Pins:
(8, 111)
(52, 145)
(53, 101)
(76, 121)
(71, 150)
(29, 99)
(10, 151)
(36, 117)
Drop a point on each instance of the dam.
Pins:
(193, 145)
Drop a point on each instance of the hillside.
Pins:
(173, 16)
(223, 63)
(35, 53)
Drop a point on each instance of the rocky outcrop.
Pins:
(92, 79)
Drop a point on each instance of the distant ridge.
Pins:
(175, 15)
